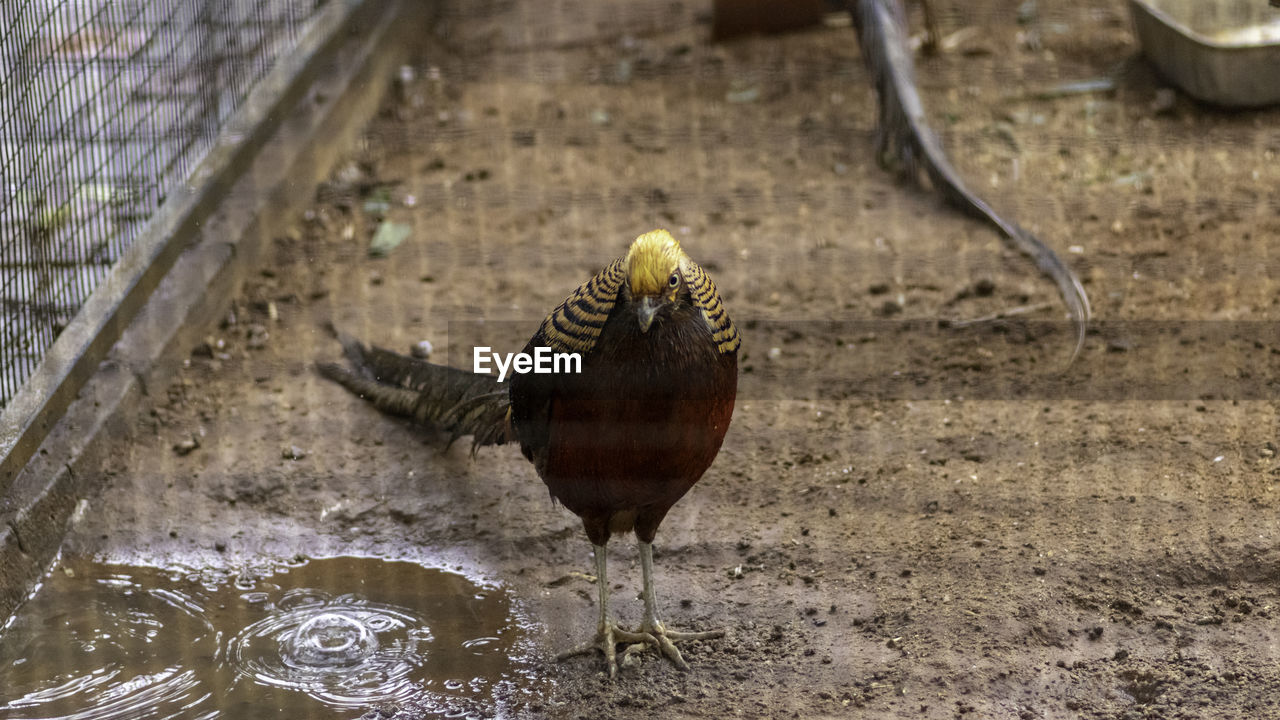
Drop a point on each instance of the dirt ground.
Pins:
(908, 518)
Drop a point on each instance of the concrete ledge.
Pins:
(178, 284)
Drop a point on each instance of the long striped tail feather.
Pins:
(456, 401)
(904, 140)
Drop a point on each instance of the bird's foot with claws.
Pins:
(650, 635)
(663, 641)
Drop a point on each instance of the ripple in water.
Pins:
(113, 643)
(343, 652)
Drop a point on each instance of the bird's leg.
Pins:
(608, 634)
(651, 628)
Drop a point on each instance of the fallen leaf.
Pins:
(387, 238)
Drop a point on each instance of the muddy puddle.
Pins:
(312, 638)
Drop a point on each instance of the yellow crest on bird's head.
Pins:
(650, 261)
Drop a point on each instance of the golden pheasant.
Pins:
(621, 441)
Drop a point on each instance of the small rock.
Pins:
(421, 350)
(293, 452)
(257, 337)
(1119, 345)
(1165, 101)
(1028, 12)
(186, 446)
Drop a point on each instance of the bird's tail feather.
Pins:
(904, 138)
(456, 401)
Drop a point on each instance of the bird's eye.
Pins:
(674, 280)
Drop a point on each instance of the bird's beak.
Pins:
(647, 312)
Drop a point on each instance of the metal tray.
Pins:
(1226, 52)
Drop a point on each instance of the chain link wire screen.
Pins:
(105, 105)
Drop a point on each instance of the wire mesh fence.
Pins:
(105, 107)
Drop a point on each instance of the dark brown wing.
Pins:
(573, 326)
